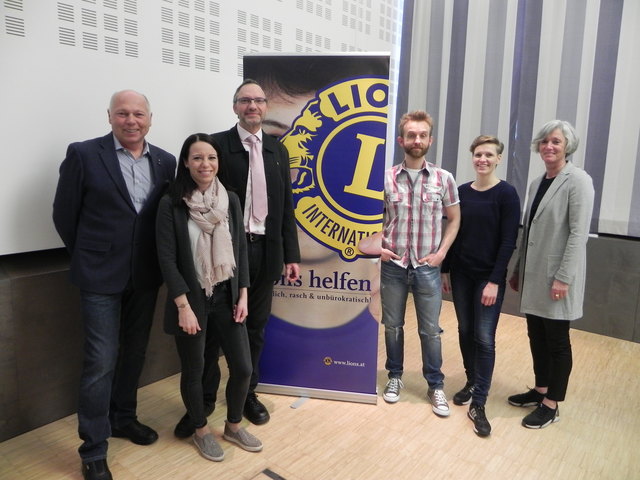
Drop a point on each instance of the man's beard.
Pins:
(416, 152)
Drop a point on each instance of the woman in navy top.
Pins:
(476, 269)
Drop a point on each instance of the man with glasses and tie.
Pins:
(256, 166)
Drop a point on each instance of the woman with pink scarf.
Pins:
(203, 256)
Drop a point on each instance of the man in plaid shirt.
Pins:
(417, 195)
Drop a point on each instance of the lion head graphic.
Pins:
(301, 161)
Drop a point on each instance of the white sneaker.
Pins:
(438, 401)
(392, 390)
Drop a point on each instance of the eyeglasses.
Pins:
(247, 100)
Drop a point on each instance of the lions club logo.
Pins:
(336, 153)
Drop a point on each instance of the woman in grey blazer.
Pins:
(202, 253)
(551, 268)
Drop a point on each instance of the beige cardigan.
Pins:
(555, 245)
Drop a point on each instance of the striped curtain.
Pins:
(505, 67)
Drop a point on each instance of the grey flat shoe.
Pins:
(243, 438)
(208, 447)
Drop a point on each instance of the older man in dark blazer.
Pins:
(105, 211)
(272, 240)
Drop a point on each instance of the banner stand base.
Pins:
(317, 393)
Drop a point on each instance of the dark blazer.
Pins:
(280, 227)
(176, 260)
(109, 242)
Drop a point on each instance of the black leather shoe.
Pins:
(185, 427)
(255, 411)
(136, 432)
(97, 470)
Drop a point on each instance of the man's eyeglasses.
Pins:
(247, 100)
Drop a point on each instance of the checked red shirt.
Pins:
(413, 211)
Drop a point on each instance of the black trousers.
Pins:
(259, 306)
(260, 298)
(199, 359)
(551, 351)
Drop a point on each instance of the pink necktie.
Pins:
(258, 181)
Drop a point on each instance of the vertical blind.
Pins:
(506, 67)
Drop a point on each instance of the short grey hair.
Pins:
(116, 94)
(247, 81)
(567, 130)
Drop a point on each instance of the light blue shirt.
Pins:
(136, 172)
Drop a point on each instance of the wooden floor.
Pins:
(598, 436)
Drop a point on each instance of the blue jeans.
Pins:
(117, 328)
(476, 331)
(424, 282)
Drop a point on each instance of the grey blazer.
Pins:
(555, 245)
(176, 260)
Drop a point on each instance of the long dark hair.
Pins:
(183, 184)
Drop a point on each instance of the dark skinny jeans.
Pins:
(199, 354)
(477, 326)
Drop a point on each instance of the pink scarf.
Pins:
(214, 251)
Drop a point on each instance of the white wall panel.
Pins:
(62, 60)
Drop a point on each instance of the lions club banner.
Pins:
(331, 114)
